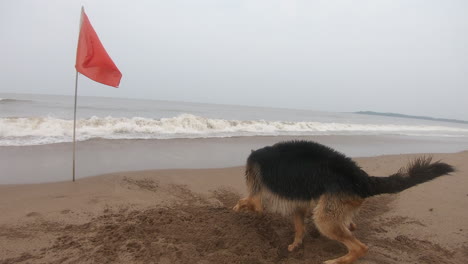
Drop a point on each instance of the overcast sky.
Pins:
(403, 56)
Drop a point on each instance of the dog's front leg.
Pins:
(299, 227)
(241, 204)
(252, 203)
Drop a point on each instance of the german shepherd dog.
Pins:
(294, 177)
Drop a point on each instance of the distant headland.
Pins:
(412, 116)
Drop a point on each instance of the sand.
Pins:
(53, 162)
(185, 216)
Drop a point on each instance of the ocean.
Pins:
(27, 119)
(118, 135)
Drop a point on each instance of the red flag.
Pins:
(92, 59)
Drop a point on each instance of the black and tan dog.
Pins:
(294, 177)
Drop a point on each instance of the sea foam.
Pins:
(46, 130)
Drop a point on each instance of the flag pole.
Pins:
(93, 62)
(74, 124)
(76, 98)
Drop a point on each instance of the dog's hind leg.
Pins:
(332, 217)
(299, 227)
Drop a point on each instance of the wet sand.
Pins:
(53, 162)
(185, 216)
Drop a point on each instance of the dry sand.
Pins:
(184, 216)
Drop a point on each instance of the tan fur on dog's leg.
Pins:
(252, 203)
(299, 227)
(241, 204)
(257, 203)
(330, 217)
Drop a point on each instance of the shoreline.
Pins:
(150, 215)
(53, 162)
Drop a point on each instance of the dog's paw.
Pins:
(293, 246)
(332, 261)
(342, 260)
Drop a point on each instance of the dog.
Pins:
(295, 177)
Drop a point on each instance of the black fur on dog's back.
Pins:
(304, 170)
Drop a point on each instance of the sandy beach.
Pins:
(185, 216)
(53, 162)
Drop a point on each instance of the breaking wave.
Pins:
(47, 130)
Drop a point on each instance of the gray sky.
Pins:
(403, 56)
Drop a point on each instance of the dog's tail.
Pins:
(419, 171)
